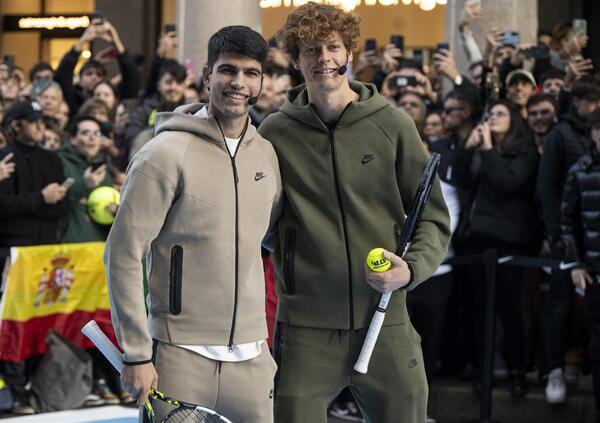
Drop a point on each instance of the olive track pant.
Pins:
(316, 364)
(241, 391)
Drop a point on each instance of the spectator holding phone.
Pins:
(503, 217)
(92, 72)
(31, 203)
(83, 163)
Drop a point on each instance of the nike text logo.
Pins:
(367, 158)
(259, 176)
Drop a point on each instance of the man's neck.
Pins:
(231, 127)
(331, 104)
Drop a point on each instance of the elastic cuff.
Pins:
(136, 363)
(412, 277)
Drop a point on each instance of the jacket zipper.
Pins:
(236, 180)
(339, 196)
(235, 295)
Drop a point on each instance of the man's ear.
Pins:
(15, 124)
(350, 57)
(206, 76)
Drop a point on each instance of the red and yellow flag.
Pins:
(58, 287)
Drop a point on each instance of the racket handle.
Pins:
(362, 364)
(106, 347)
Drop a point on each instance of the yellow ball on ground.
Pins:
(99, 202)
(376, 261)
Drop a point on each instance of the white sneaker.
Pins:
(556, 388)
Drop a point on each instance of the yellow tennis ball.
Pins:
(376, 261)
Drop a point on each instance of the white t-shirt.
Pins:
(240, 352)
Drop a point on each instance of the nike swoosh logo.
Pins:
(259, 176)
(565, 266)
(367, 158)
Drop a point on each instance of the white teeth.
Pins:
(325, 71)
(235, 96)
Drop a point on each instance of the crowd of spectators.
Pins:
(519, 136)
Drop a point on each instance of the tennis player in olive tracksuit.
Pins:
(350, 164)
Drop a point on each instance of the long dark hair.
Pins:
(517, 129)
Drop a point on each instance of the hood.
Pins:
(183, 119)
(297, 106)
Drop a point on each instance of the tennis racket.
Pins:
(408, 230)
(185, 412)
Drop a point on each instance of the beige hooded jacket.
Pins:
(199, 216)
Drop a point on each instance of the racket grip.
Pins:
(106, 347)
(362, 364)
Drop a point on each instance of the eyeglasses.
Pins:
(448, 110)
(540, 113)
(87, 132)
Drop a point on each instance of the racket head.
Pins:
(184, 412)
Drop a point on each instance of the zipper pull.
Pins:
(230, 348)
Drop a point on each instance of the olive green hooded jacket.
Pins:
(347, 190)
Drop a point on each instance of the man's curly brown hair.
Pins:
(313, 21)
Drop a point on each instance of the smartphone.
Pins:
(418, 56)
(370, 44)
(97, 164)
(9, 61)
(39, 86)
(579, 26)
(398, 41)
(170, 28)
(403, 81)
(97, 18)
(538, 52)
(68, 183)
(445, 46)
(511, 38)
(272, 42)
(106, 129)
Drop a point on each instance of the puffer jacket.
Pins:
(580, 212)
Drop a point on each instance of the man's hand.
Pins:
(391, 57)
(397, 276)
(167, 46)
(90, 34)
(93, 178)
(110, 34)
(137, 380)
(576, 69)
(53, 193)
(581, 278)
(444, 63)
(6, 166)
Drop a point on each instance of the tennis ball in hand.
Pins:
(376, 261)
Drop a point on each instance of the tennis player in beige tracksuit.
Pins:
(197, 203)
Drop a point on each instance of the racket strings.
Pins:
(191, 415)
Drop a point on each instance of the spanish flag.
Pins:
(58, 287)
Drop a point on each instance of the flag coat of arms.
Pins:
(58, 287)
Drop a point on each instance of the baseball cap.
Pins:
(520, 75)
(23, 110)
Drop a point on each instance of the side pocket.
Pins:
(175, 279)
(289, 250)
